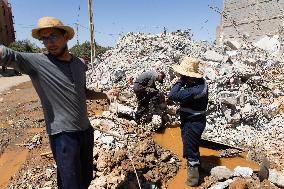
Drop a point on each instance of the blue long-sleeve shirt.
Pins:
(190, 95)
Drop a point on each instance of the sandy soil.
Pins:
(11, 81)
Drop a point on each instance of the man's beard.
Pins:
(61, 52)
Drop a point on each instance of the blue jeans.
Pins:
(73, 154)
(191, 131)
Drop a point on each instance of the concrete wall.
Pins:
(7, 33)
(250, 18)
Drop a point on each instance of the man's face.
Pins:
(54, 41)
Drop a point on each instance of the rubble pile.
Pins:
(241, 177)
(41, 176)
(115, 168)
(245, 87)
(245, 107)
(137, 52)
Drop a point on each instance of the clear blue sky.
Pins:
(114, 17)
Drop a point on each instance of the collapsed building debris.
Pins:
(245, 110)
(245, 89)
(241, 177)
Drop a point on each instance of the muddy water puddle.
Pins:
(13, 158)
(171, 139)
(10, 163)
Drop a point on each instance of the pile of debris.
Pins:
(145, 161)
(241, 177)
(124, 152)
(245, 85)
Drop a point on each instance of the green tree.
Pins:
(25, 46)
(84, 50)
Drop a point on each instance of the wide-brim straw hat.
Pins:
(51, 22)
(188, 67)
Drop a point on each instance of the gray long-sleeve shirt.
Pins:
(145, 80)
(60, 86)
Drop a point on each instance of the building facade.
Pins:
(7, 33)
(249, 20)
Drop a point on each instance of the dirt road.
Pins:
(8, 82)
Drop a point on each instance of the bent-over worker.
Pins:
(147, 94)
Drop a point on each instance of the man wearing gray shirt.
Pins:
(147, 94)
(59, 79)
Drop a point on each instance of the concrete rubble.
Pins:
(243, 177)
(245, 92)
(115, 168)
(246, 105)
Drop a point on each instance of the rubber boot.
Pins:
(192, 176)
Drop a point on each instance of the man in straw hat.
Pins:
(191, 91)
(60, 81)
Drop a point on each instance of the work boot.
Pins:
(192, 176)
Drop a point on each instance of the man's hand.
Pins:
(112, 93)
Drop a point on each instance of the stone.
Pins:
(157, 121)
(271, 44)
(48, 183)
(98, 183)
(221, 185)
(276, 177)
(125, 110)
(102, 162)
(213, 56)
(107, 140)
(97, 134)
(48, 173)
(238, 183)
(243, 171)
(233, 44)
(95, 122)
(221, 172)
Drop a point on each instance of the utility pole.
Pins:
(77, 33)
(91, 24)
(77, 26)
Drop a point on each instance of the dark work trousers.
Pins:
(3, 69)
(191, 131)
(147, 103)
(73, 154)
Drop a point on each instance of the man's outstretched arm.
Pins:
(22, 62)
(110, 95)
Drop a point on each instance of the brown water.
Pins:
(10, 163)
(171, 140)
(12, 159)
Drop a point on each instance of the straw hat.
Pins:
(51, 22)
(188, 67)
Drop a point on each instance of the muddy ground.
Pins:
(25, 152)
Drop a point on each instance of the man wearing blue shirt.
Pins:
(191, 91)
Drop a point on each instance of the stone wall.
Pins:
(250, 19)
